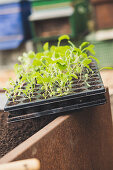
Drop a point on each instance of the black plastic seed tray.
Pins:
(81, 96)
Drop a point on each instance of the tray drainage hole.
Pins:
(93, 67)
(95, 87)
(41, 97)
(24, 84)
(79, 90)
(92, 64)
(10, 99)
(81, 101)
(74, 79)
(95, 75)
(23, 87)
(29, 100)
(14, 94)
(21, 93)
(35, 90)
(77, 86)
(35, 94)
(93, 83)
(37, 85)
(18, 97)
(13, 103)
(78, 82)
(93, 79)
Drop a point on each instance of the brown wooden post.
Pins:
(80, 141)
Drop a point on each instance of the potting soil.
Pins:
(13, 134)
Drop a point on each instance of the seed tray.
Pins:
(81, 96)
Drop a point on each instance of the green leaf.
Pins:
(58, 89)
(96, 59)
(74, 75)
(108, 68)
(16, 67)
(57, 55)
(5, 89)
(63, 37)
(52, 48)
(31, 54)
(90, 49)
(84, 44)
(71, 44)
(86, 77)
(37, 63)
(76, 50)
(61, 67)
(84, 55)
(49, 60)
(78, 69)
(86, 61)
(87, 84)
(60, 61)
(39, 55)
(46, 79)
(46, 46)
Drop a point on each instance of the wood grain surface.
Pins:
(80, 141)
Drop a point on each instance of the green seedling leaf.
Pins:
(63, 37)
(37, 63)
(86, 76)
(52, 48)
(71, 44)
(61, 66)
(49, 60)
(87, 84)
(84, 44)
(90, 49)
(5, 89)
(86, 61)
(31, 55)
(108, 68)
(84, 55)
(58, 89)
(94, 58)
(39, 55)
(78, 69)
(57, 55)
(74, 75)
(60, 61)
(61, 50)
(16, 66)
(46, 46)
(76, 51)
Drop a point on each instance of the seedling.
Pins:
(53, 69)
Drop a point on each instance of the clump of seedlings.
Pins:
(52, 72)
